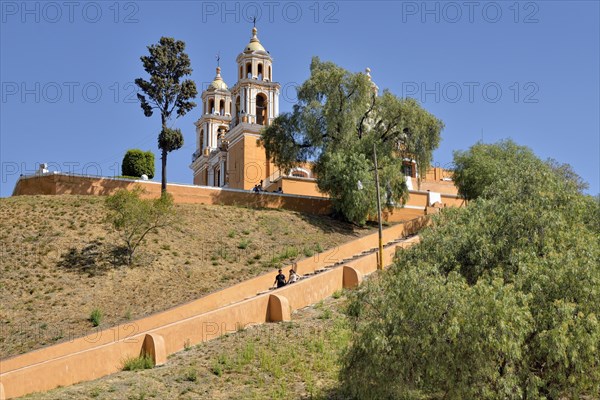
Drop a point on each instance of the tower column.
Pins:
(211, 177)
(222, 173)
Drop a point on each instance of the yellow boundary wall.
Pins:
(60, 184)
(164, 333)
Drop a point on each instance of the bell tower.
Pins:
(209, 159)
(227, 153)
(255, 104)
(256, 96)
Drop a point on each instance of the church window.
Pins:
(261, 109)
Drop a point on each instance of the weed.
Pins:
(95, 392)
(231, 234)
(243, 244)
(96, 317)
(326, 314)
(138, 363)
(191, 375)
(220, 365)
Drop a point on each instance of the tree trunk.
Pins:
(163, 187)
(163, 158)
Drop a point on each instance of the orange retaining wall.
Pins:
(60, 184)
(102, 353)
(56, 184)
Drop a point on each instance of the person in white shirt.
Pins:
(293, 276)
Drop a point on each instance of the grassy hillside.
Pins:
(57, 263)
(290, 360)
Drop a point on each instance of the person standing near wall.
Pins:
(279, 280)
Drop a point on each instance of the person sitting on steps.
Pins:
(293, 276)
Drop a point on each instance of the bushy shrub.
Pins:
(137, 163)
(134, 218)
(500, 299)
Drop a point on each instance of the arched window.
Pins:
(222, 107)
(211, 106)
(260, 71)
(201, 139)
(300, 173)
(229, 107)
(241, 72)
(261, 109)
(270, 77)
(249, 70)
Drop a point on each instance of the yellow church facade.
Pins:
(227, 153)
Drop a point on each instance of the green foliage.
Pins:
(138, 363)
(191, 375)
(137, 163)
(336, 123)
(96, 317)
(134, 217)
(500, 300)
(167, 91)
(170, 139)
(482, 170)
(167, 64)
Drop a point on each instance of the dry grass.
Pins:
(290, 360)
(58, 263)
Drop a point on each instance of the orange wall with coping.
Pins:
(221, 312)
(57, 184)
(295, 185)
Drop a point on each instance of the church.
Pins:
(227, 151)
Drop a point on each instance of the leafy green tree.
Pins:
(137, 163)
(134, 218)
(500, 299)
(485, 166)
(338, 119)
(167, 92)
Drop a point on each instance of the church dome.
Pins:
(254, 44)
(218, 83)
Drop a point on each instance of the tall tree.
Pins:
(338, 118)
(167, 92)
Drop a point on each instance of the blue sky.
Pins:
(490, 70)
